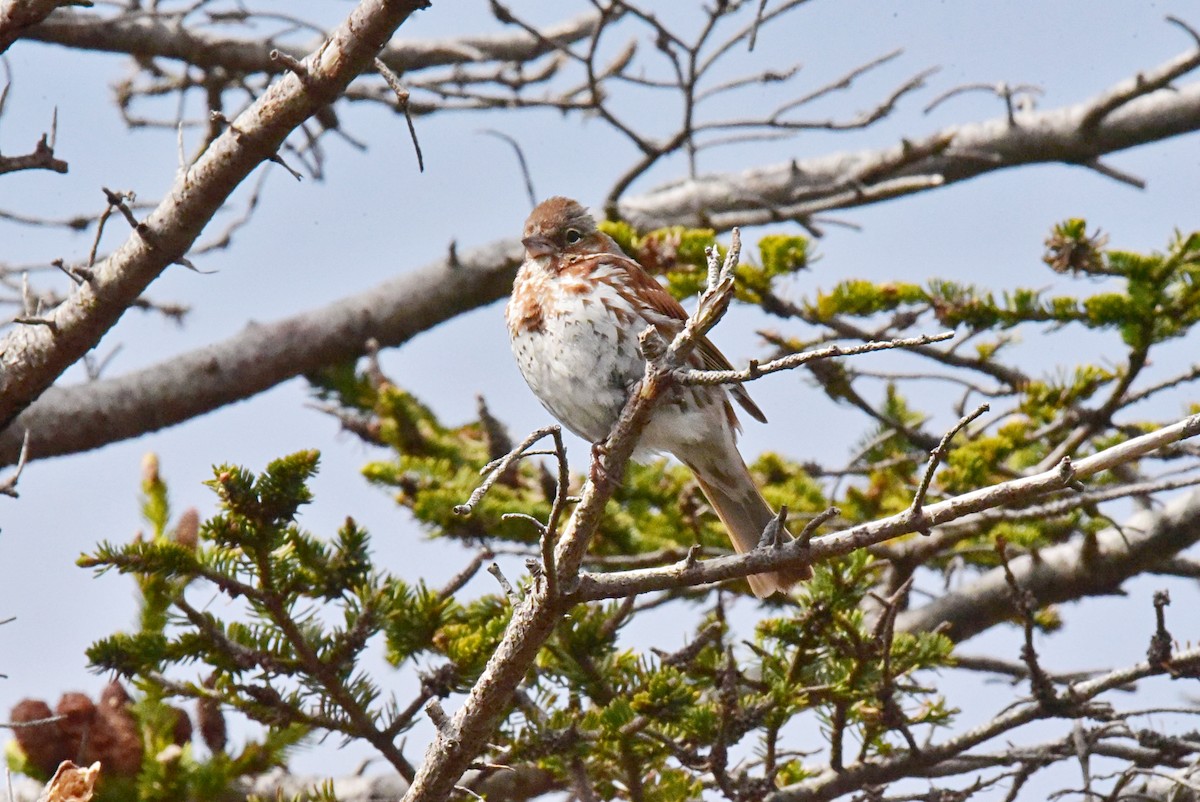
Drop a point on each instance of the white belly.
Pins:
(581, 369)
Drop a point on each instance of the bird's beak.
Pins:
(538, 245)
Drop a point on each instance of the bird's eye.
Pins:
(573, 236)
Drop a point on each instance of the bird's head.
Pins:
(560, 226)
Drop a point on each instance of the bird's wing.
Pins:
(671, 316)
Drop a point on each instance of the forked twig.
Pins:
(493, 470)
(547, 532)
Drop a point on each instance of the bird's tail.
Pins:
(745, 513)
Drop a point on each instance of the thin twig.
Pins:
(402, 102)
(521, 162)
(937, 455)
(459, 580)
(708, 377)
(1026, 605)
(496, 468)
(810, 528)
(505, 585)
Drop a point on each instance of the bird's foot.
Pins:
(597, 472)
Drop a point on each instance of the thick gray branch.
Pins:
(144, 36)
(804, 187)
(32, 357)
(18, 16)
(66, 420)
(618, 585)
(1066, 572)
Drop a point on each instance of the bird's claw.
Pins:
(599, 474)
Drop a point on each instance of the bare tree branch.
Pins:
(34, 356)
(792, 361)
(1108, 563)
(162, 37)
(916, 552)
(1076, 134)
(42, 158)
(1048, 135)
(260, 357)
(18, 16)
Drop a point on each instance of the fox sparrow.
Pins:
(577, 308)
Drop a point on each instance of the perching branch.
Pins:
(981, 603)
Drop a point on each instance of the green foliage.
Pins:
(857, 678)
(311, 607)
(1069, 249)
(631, 716)
(144, 743)
(626, 713)
(860, 298)
(659, 509)
(1145, 300)
(1158, 295)
(470, 638)
(432, 472)
(678, 254)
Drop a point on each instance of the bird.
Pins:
(577, 307)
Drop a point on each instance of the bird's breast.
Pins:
(576, 346)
